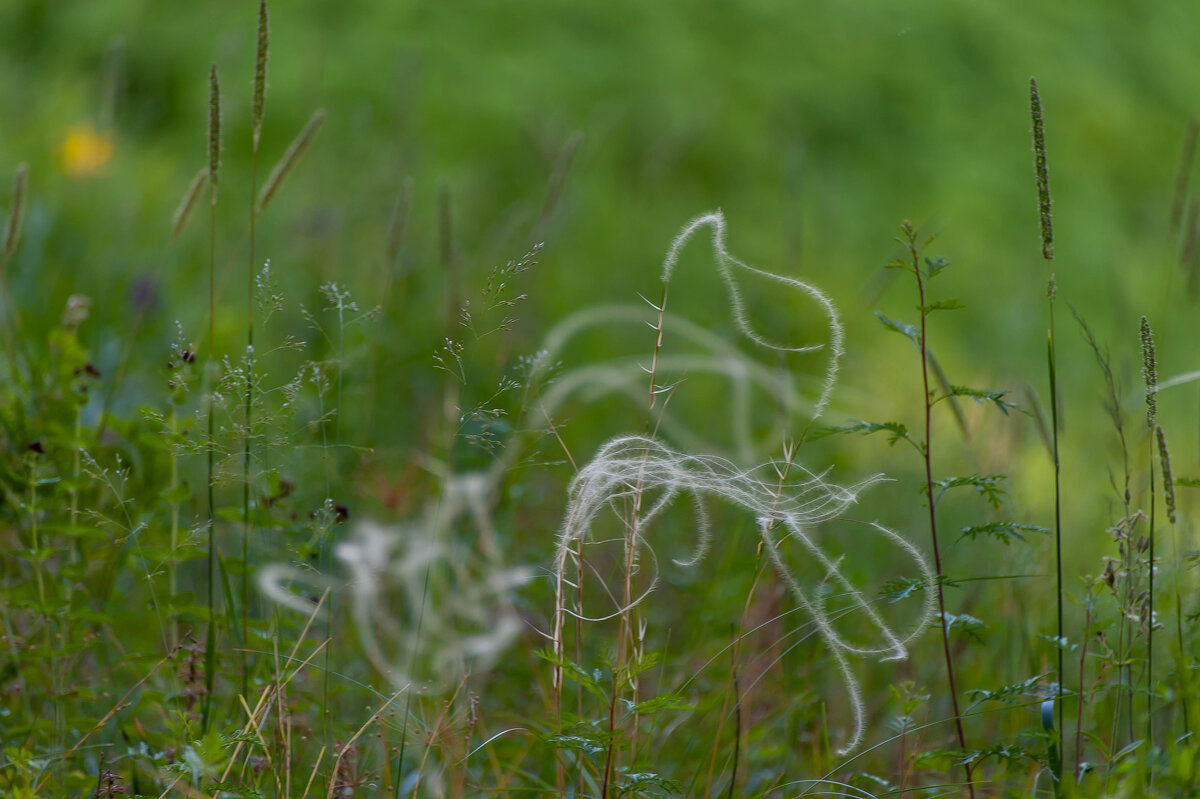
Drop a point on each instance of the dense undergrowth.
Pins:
(677, 569)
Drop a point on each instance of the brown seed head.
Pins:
(260, 70)
(1149, 372)
(214, 130)
(1164, 456)
(1039, 168)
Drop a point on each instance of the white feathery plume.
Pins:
(629, 465)
(726, 263)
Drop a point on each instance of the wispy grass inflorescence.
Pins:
(727, 264)
(638, 464)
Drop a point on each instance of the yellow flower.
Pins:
(85, 150)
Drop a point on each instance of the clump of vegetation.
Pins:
(655, 573)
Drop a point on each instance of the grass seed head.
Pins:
(214, 130)
(260, 69)
(1039, 166)
(1164, 456)
(1149, 373)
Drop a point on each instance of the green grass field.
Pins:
(471, 399)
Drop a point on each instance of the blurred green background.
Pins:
(600, 129)
(816, 127)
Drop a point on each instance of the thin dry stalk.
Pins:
(433, 734)
(358, 733)
(312, 776)
(119, 706)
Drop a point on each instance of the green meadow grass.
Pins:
(379, 469)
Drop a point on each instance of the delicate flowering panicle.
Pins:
(726, 263)
(1168, 478)
(1043, 177)
(1149, 373)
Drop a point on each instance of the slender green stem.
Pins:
(247, 525)
(927, 452)
(214, 162)
(1052, 362)
(172, 562)
(210, 367)
(1150, 614)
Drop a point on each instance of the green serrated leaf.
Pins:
(897, 430)
(994, 397)
(901, 588)
(935, 265)
(1036, 687)
(906, 330)
(658, 704)
(1004, 531)
(965, 623)
(987, 485)
(636, 780)
(575, 743)
(589, 682)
